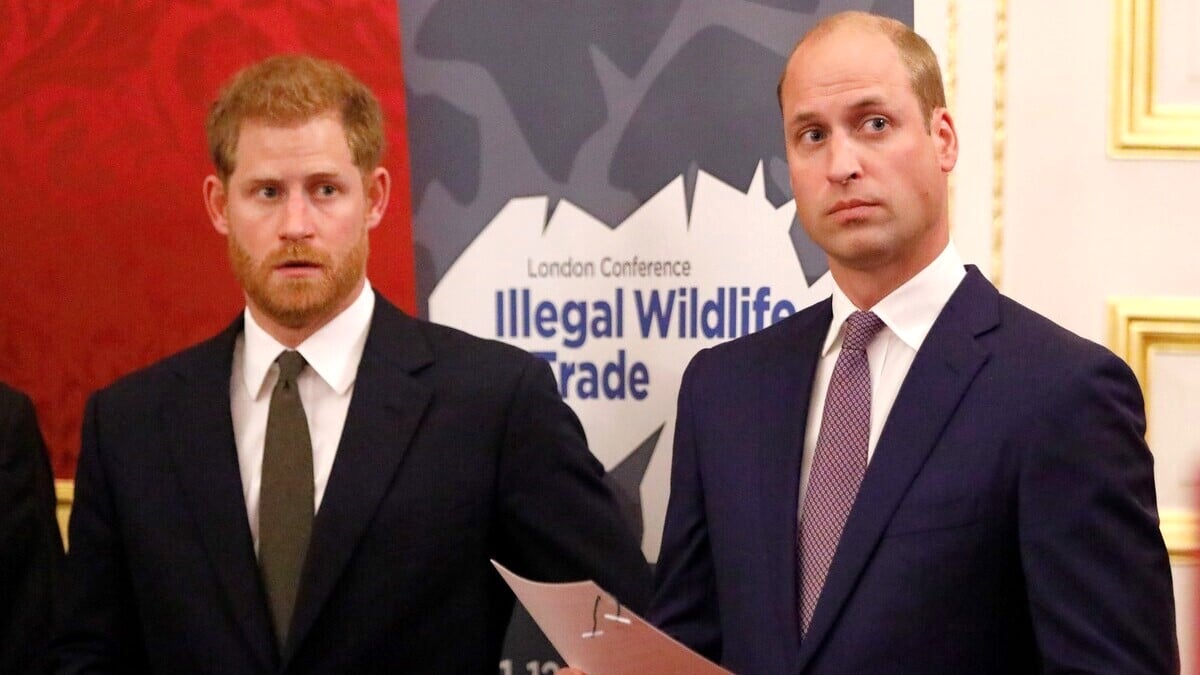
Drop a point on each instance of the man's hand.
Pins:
(570, 671)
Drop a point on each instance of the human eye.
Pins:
(325, 188)
(875, 124)
(267, 191)
(812, 135)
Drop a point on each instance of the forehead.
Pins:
(845, 63)
(318, 142)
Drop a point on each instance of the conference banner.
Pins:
(604, 185)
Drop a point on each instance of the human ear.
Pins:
(216, 198)
(378, 191)
(945, 138)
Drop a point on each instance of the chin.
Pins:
(863, 257)
(298, 304)
(301, 314)
(857, 241)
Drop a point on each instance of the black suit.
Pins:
(455, 449)
(1006, 522)
(30, 546)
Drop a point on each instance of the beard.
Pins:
(297, 303)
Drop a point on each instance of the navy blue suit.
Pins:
(455, 450)
(1006, 522)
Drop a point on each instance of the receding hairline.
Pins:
(884, 25)
(911, 49)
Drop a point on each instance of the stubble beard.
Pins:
(299, 302)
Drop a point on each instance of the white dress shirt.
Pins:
(326, 384)
(907, 313)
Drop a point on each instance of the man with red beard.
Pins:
(319, 488)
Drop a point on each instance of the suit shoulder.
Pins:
(16, 409)
(1034, 336)
(1056, 370)
(13, 399)
(149, 380)
(453, 345)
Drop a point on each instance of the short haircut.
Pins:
(919, 60)
(289, 90)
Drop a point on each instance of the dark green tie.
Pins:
(285, 507)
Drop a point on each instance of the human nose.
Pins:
(844, 165)
(297, 217)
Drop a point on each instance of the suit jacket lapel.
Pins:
(944, 367)
(786, 393)
(385, 409)
(198, 421)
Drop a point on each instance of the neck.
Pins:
(866, 286)
(864, 293)
(288, 336)
(291, 336)
(285, 335)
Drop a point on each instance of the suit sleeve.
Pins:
(559, 521)
(30, 545)
(97, 623)
(1097, 572)
(685, 599)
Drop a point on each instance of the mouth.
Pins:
(297, 268)
(851, 207)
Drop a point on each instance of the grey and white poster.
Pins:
(603, 183)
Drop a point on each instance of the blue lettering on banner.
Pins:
(679, 313)
(577, 320)
(612, 380)
(728, 312)
(721, 313)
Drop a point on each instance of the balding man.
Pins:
(918, 475)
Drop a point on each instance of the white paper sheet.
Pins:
(592, 633)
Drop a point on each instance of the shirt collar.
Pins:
(910, 310)
(333, 352)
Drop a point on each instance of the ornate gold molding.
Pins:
(999, 131)
(951, 89)
(952, 54)
(1138, 327)
(1138, 125)
(999, 136)
(1181, 531)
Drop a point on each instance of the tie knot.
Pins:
(290, 364)
(861, 328)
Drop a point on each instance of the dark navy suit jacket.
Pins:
(1006, 522)
(30, 546)
(455, 450)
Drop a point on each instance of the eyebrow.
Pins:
(864, 103)
(317, 175)
(325, 175)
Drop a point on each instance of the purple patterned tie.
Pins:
(839, 462)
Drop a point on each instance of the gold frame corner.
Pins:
(1137, 326)
(1139, 127)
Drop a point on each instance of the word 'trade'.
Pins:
(612, 380)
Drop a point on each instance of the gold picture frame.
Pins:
(1137, 328)
(1140, 126)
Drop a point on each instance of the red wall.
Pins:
(109, 261)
